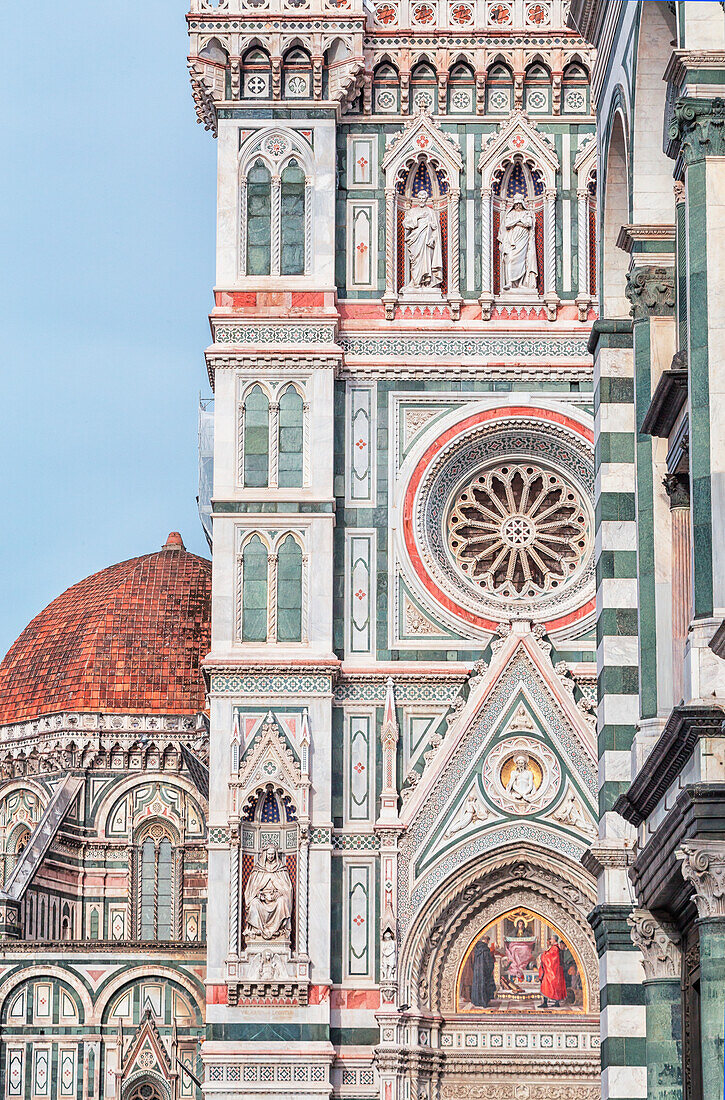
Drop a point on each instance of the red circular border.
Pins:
(502, 414)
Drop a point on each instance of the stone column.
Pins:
(486, 253)
(583, 298)
(243, 226)
(662, 962)
(677, 487)
(703, 865)
(550, 297)
(391, 283)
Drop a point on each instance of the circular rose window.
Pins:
(518, 530)
(501, 520)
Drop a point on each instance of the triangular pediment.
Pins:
(518, 763)
(422, 134)
(270, 758)
(147, 1052)
(518, 136)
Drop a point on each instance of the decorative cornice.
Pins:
(659, 944)
(651, 291)
(703, 866)
(673, 749)
(631, 234)
(667, 400)
(699, 126)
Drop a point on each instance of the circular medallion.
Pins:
(521, 775)
(499, 521)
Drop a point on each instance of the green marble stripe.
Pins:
(614, 737)
(621, 1050)
(664, 1039)
(645, 524)
(699, 367)
(268, 1033)
(616, 563)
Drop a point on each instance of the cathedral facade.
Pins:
(414, 791)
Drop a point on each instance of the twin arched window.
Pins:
(274, 220)
(273, 439)
(271, 591)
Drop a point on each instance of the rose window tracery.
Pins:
(518, 530)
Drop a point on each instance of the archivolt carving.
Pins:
(453, 1089)
(559, 890)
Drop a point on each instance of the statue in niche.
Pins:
(423, 246)
(522, 781)
(268, 897)
(517, 238)
(388, 965)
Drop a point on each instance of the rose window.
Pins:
(518, 530)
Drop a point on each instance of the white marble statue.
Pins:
(268, 897)
(472, 810)
(388, 965)
(571, 812)
(423, 245)
(517, 237)
(522, 781)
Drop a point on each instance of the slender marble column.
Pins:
(662, 960)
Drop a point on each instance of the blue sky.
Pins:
(108, 188)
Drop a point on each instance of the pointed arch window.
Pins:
(259, 219)
(156, 904)
(386, 89)
(575, 90)
(289, 591)
(256, 438)
(424, 88)
(297, 74)
(292, 259)
(254, 591)
(257, 71)
(291, 439)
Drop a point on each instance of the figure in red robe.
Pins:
(551, 975)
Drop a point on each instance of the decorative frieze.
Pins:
(467, 345)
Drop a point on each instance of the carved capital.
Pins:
(703, 865)
(677, 487)
(651, 291)
(658, 943)
(699, 126)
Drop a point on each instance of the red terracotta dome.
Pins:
(130, 638)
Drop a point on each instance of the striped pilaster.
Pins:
(623, 1023)
(615, 557)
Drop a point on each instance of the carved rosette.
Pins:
(659, 944)
(703, 865)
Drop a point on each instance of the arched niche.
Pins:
(422, 167)
(613, 264)
(652, 194)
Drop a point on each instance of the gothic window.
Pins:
(254, 591)
(537, 89)
(386, 89)
(293, 220)
(156, 876)
(259, 220)
(291, 439)
(256, 438)
(145, 1090)
(424, 88)
(575, 90)
(257, 72)
(289, 591)
(461, 90)
(297, 74)
(499, 90)
(271, 606)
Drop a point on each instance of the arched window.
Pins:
(537, 86)
(386, 89)
(289, 591)
(575, 90)
(94, 924)
(254, 591)
(297, 74)
(292, 260)
(424, 88)
(259, 220)
(156, 909)
(291, 439)
(256, 438)
(461, 90)
(499, 90)
(257, 71)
